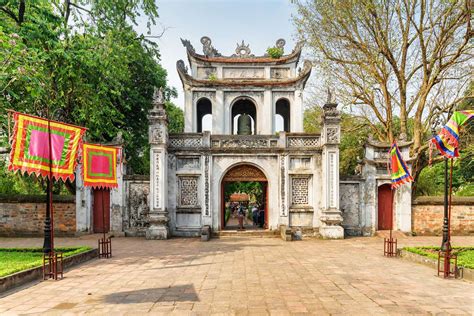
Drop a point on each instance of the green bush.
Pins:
(275, 52)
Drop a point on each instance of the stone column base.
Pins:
(157, 232)
(332, 232)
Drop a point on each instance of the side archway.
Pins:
(282, 113)
(203, 115)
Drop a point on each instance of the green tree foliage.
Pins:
(81, 62)
(253, 189)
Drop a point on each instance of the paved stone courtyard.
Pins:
(244, 276)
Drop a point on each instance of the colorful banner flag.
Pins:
(447, 141)
(398, 168)
(100, 166)
(31, 152)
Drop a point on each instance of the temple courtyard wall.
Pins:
(24, 215)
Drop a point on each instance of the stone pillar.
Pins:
(218, 114)
(83, 204)
(188, 111)
(331, 217)
(158, 139)
(266, 115)
(296, 117)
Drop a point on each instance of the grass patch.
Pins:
(465, 254)
(13, 260)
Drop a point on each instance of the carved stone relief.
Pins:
(300, 163)
(206, 185)
(207, 48)
(332, 135)
(205, 72)
(156, 136)
(244, 143)
(189, 163)
(242, 51)
(138, 207)
(156, 180)
(332, 179)
(283, 184)
(279, 73)
(239, 73)
(245, 173)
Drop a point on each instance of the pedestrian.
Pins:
(241, 215)
(255, 215)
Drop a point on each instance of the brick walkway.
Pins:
(244, 275)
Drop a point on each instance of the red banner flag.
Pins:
(31, 152)
(100, 166)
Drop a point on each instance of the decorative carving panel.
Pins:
(138, 208)
(206, 185)
(156, 135)
(185, 142)
(156, 180)
(189, 163)
(245, 173)
(311, 141)
(205, 72)
(332, 135)
(382, 154)
(300, 163)
(332, 191)
(244, 143)
(279, 73)
(241, 73)
(299, 191)
(282, 185)
(188, 191)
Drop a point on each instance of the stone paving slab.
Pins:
(240, 276)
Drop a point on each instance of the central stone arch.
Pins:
(245, 172)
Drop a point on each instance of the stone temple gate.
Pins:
(187, 169)
(300, 172)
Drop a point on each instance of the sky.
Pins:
(227, 22)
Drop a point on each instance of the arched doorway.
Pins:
(385, 210)
(241, 106)
(253, 186)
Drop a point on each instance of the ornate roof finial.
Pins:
(207, 48)
(329, 100)
(280, 43)
(188, 45)
(158, 99)
(242, 50)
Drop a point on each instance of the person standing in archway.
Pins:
(241, 214)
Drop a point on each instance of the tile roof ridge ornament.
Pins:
(208, 49)
(243, 51)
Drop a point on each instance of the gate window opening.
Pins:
(282, 116)
(245, 205)
(244, 106)
(204, 115)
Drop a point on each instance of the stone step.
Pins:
(246, 233)
(386, 234)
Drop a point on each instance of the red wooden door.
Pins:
(385, 203)
(101, 210)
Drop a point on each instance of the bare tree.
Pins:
(404, 58)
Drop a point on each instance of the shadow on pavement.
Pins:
(180, 293)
